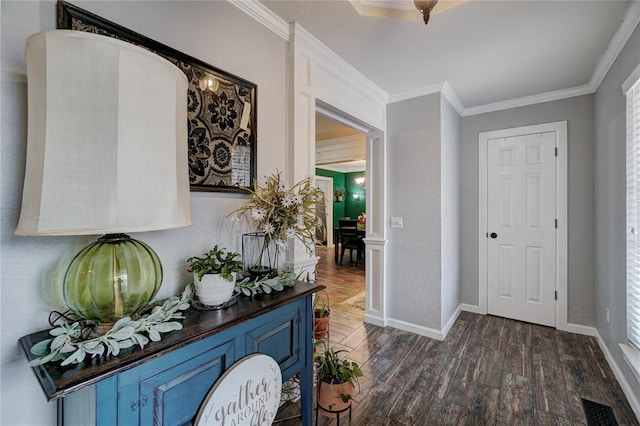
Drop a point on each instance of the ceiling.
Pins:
(488, 51)
(328, 130)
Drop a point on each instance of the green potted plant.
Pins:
(321, 316)
(339, 193)
(214, 275)
(337, 380)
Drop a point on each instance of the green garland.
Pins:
(266, 285)
(68, 344)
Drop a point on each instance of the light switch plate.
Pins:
(396, 222)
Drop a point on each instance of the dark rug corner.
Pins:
(598, 414)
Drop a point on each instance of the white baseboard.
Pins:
(449, 324)
(474, 309)
(572, 328)
(375, 320)
(581, 329)
(417, 329)
(624, 384)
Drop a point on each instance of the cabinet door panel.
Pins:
(174, 396)
(279, 338)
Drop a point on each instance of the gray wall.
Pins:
(610, 184)
(450, 211)
(414, 182)
(578, 112)
(216, 32)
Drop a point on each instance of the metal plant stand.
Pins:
(337, 413)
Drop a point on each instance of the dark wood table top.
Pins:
(58, 381)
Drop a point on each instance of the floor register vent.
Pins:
(598, 414)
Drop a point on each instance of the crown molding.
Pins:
(263, 15)
(414, 93)
(630, 22)
(443, 88)
(448, 92)
(341, 150)
(292, 31)
(530, 100)
(398, 9)
(340, 68)
(389, 4)
(358, 140)
(288, 32)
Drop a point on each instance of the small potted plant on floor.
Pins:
(321, 316)
(337, 380)
(214, 275)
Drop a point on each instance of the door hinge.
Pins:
(556, 295)
(556, 223)
(556, 151)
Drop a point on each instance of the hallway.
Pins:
(488, 371)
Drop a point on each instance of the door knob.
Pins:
(493, 235)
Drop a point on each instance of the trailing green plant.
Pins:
(216, 261)
(332, 368)
(266, 284)
(69, 345)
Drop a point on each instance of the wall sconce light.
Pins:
(210, 83)
(359, 180)
(356, 197)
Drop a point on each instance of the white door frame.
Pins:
(560, 128)
(328, 208)
(322, 81)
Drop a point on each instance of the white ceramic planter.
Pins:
(213, 289)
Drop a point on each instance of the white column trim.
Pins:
(321, 81)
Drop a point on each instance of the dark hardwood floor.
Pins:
(488, 371)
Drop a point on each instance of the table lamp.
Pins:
(106, 154)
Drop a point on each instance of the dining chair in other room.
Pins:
(347, 222)
(350, 239)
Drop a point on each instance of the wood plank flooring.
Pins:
(488, 371)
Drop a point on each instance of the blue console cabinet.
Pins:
(166, 382)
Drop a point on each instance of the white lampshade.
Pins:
(107, 138)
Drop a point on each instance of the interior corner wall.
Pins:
(450, 210)
(578, 112)
(217, 33)
(414, 182)
(610, 204)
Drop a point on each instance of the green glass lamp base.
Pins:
(112, 278)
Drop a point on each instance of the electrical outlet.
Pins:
(396, 222)
(608, 320)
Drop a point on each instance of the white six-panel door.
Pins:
(521, 214)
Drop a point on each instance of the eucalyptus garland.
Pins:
(266, 285)
(67, 343)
